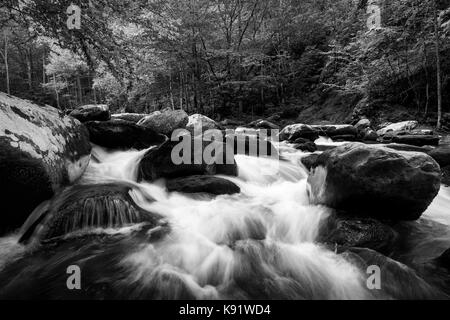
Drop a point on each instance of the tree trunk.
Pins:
(5, 56)
(29, 69)
(56, 91)
(80, 93)
(438, 66)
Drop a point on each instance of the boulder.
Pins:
(202, 184)
(84, 207)
(121, 134)
(160, 162)
(295, 131)
(199, 124)
(407, 147)
(397, 127)
(92, 112)
(397, 280)
(264, 124)
(374, 181)
(441, 155)
(41, 151)
(309, 161)
(165, 122)
(363, 124)
(361, 233)
(368, 135)
(417, 140)
(305, 145)
(130, 117)
(333, 131)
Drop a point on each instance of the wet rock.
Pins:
(199, 124)
(309, 161)
(170, 161)
(130, 117)
(417, 140)
(441, 155)
(84, 207)
(397, 281)
(407, 147)
(165, 122)
(444, 259)
(373, 181)
(398, 127)
(361, 233)
(41, 151)
(295, 131)
(305, 145)
(368, 135)
(93, 112)
(333, 131)
(121, 134)
(202, 184)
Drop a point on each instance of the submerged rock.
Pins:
(121, 134)
(165, 122)
(169, 160)
(373, 181)
(85, 207)
(93, 112)
(202, 184)
(41, 151)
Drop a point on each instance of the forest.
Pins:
(315, 60)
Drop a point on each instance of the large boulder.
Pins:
(92, 112)
(398, 127)
(202, 184)
(375, 181)
(83, 207)
(41, 150)
(417, 140)
(198, 124)
(295, 131)
(121, 134)
(161, 163)
(165, 122)
(130, 117)
(441, 155)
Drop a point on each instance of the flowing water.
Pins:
(259, 244)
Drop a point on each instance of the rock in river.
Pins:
(202, 184)
(121, 134)
(93, 112)
(41, 150)
(165, 122)
(375, 181)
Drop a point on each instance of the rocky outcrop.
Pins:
(165, 122)
(130, 117)
(93, 112)
(41, 150)
(202, 184)
(175, 159)
(84, 207)
(373, 181)
(121, 134)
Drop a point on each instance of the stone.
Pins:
(397, 127)
(165, 122)
(203, 184)
(295, 131)
(417, 140)
(130, 117)
(41, 151)
(93, 112)
(199, 124)
(372, 181)
(121, 134)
